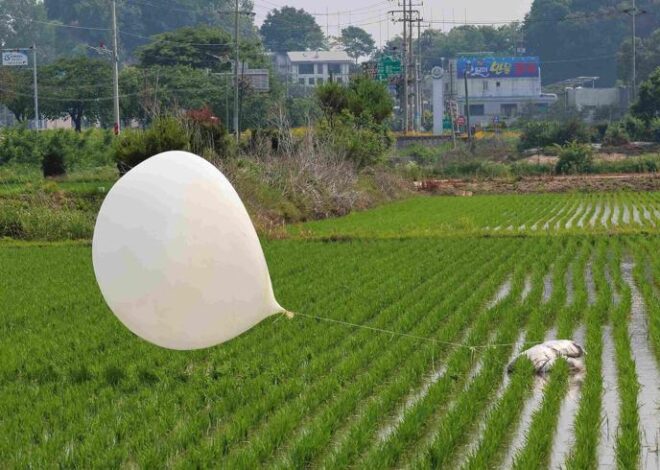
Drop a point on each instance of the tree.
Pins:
(357, 42)
(370, 99)
(647, 106)
(436, 44)
(77, 87)
(582, 37)
(153, 91)
(18, 27)
(137, 21)
(198, 47)
(364, 98)
(648, 57)
(17, 93)
(288, 29)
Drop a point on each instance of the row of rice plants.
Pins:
(505, 410)
(622, 212)
(415, 367)
(495, 441)
(647, 277)
(24, 355)
(381, 410)
(420, 419)
(300, 362)
(29, 343)
(538, 444)
(470, 405)
(385, 363)
(628, 437)
(588, 418)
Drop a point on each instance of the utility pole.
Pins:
(634, 13)
(24, 57)
(405, 67)
(37, 124)
(410, 90)
(115, 69)
(237, 131)
(418, 78)
(634, 48)
(467, 102)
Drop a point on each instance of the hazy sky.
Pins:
(372, 14)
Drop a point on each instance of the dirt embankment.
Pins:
(544, 184)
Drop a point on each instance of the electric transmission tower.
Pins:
(411, 102)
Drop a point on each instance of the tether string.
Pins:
(406, 335)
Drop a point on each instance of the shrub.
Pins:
(654, 130)
(574, 158)
(421, 154)
(206, 133)
(546, 133)
(615, 135)
(52, 163)
(634, 127)
(135, 146)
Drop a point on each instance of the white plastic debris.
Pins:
(544, 356)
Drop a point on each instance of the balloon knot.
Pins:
(289, 314)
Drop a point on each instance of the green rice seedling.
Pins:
(369, 385)
(584, 452)
(416, 419)
(505, 412)
(536, 452)
(628, 438)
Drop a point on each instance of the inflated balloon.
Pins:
(176, 256)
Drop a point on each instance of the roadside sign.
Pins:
(388, 66)
(14, 58)
(460, 120)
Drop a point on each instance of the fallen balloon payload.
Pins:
(176, 256)
(543, 356)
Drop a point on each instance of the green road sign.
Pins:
(387, 67)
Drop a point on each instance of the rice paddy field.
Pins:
(407, 318)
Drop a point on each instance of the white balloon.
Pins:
(176, 256)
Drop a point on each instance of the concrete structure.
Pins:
(592, 98)
(499, 88)
(311, 68)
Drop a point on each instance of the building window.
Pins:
(477, 110)
(301, 81)
(498, 84)
(310, 81)
(334, 69)
(485, 85)
(319, 80)
(509, 110)
(319, 69)
(306, 69)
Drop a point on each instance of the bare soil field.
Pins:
(543, 184)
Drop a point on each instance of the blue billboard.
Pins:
(498, 67)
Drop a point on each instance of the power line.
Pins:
(609, 14)
(61, 25)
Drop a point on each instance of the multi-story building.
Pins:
(499, 88)
(311, 68)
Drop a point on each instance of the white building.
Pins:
(499, 88)
(590, 98)
(311, 68)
